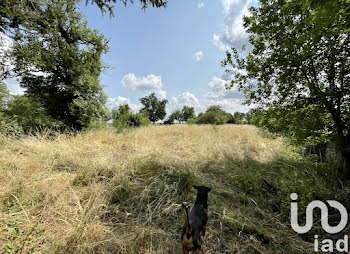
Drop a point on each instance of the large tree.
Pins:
(153, 107)
(57, 56)
(300, 58)
(59, 62)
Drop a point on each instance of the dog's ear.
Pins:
(208, 189)
(196, 187)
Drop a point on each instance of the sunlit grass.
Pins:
(108, 192)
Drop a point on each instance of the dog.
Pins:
(196, 221)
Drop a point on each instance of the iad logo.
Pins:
(327, 244)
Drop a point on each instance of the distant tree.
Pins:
(188, 113)
(230, 118)
(121, 110)
(59, 62)
(300, 59)
(153, 107)
(178, 116)
(170, 120)
(213, 115)
(238, 117)
(124, 118)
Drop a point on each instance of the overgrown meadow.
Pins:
(101, 191)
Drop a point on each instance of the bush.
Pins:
(9, 126)
(28, 114)
(128, 120)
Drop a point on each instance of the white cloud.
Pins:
(14, 87)
(115, 102)
(184, 99)
(198, 56)
(149, 83)
(234, 34)
(11, 83)
(218, 42)
(200, 5)
(230, 100)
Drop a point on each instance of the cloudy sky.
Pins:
(173, 52)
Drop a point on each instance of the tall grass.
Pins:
(107, 192)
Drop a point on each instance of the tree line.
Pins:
(154, 110)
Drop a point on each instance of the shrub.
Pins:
(9, 125)
(128, 119)
(28, 114)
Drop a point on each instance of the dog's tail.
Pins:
(187, 223)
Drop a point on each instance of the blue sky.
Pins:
(174, 52)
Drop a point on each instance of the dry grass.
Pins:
(103, 192)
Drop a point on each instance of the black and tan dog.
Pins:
(196, 221)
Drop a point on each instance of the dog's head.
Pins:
(202, 193)
(203, 189)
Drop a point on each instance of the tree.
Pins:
(59, 62)
(153, 107)
(213, 115)
(300, 59)
(122, 110)
(124, 118)
(238, 117)
(177, 115)
(188, 113)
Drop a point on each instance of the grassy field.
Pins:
(108, 192)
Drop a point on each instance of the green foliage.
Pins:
(314, 127)
(188, 113)
(238, 118)
(108, 5)
(59, 62)
(213, 115)
(29, 114)
(153, 107)
(4, 95)
(300, 60)
(15, 13)
(9, 126)
(170, 120)
(124, 118)
(177, 115)
(22, 114)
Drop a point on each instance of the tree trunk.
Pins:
(343, 147)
